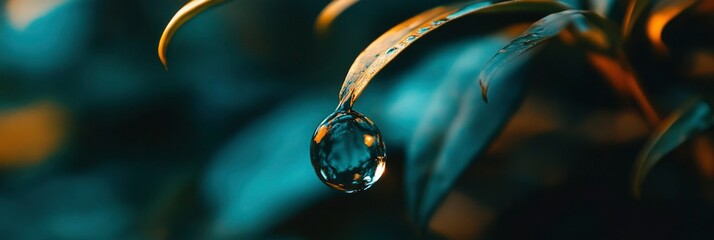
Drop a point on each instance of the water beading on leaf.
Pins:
(186, 12)
(385, 48)
(544, 29)
(330, 13)
(685, 122)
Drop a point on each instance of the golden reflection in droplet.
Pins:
(356, 176)
(330, 13)
(368, 140)
(659, 20)
(380, 169)
(21, 13)
(321, 133)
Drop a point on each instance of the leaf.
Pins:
(540, 31)
(385, 48)
(184, 14)
(621, 76)
(634, 10)
(330, 12)
(662, 13)
(263, 175)
(688, 120)
(455, 128)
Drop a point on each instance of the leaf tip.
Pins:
(162, 58)
(329, 14)
(484, 91)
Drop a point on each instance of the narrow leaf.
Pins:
(662, 13)
(187, 12)
(330, 12)
(540, 31)
(621, 76)
(385, 48)
(634, 10)
(690, 119)
(455, 128)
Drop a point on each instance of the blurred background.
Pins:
(98, 141)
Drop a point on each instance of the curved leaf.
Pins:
(186, 12)
(690, 119)
(330, 12)
(455, 128)
(621, 76)
(251, 184)
(544, 29)
(662, 13)
(385, 48)
(634, 11)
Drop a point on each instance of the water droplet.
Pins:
(438, 22)
(423, 30)
(347, 151)
(411, 38)
(391, 50)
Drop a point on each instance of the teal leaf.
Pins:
(455, 127)
(263, 175)
(542, 30)
(687, 121)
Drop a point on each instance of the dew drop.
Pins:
(411, 38)
(438, 22)
(391, 50)
(423, 30)
(347, 151)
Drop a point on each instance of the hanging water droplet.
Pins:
(347, 151)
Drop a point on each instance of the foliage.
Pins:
(508, 119)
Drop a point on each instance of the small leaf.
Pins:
(187, 12)
(330, 12)
(662, 13)
(540, 31)
(385, 48)
(634, 10)
(685, 122)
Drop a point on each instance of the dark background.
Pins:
(98, 141)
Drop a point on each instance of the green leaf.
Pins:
(186, 12)
(688, 120)
(542, 30)
(385, 48)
